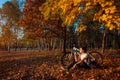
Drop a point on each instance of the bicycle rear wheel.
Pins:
(67, 59)
(96, 56)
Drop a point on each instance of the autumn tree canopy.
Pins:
(10, 15)
(47, 17)
(104, 11)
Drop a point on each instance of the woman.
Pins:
(81, 61)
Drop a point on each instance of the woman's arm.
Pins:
(75, 56)
(78, 62)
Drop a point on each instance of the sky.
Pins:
(20, 35)
(2, 2)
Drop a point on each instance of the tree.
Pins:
(104, 11)
(10, 15)
(108, 15)
(36, 27)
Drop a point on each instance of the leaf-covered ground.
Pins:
(45, 65)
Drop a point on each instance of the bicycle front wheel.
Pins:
(96, 56)
(67, 59)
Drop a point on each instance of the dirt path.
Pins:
(5, 56)
(13, 56)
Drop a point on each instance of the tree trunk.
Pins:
(8, 47)
(54, 44)
(103, 41)
(61, 45)
(15, 46)
(39, 45)
(64, 46)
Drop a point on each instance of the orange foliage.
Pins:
(41, 65)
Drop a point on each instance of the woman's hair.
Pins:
(84, 48)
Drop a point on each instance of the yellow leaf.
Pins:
(110, 17)
(111, 27)
(76, 2)
(107, 11)
(108, 24)
(81, 28)
(113, 9)
(104, 17)
(88, 4)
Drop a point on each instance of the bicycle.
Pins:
(68, 57)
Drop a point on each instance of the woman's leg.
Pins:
(83, 65)
(71, 65)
